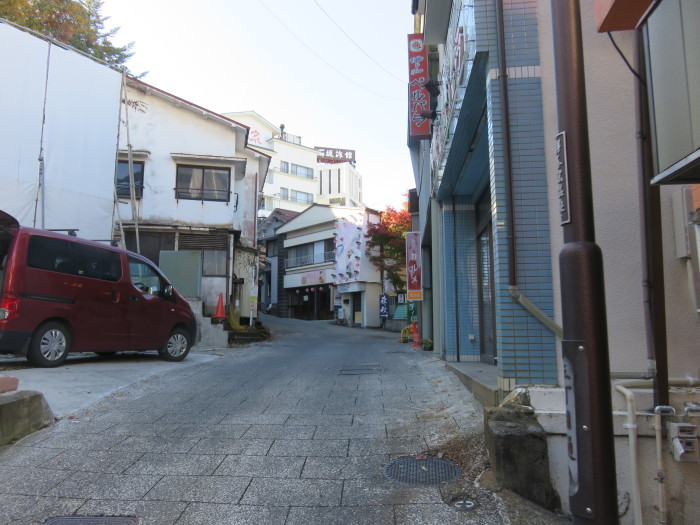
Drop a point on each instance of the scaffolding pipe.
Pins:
(132, 187)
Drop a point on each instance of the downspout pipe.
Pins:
(454, 263)
(652, 250)
(507, 159)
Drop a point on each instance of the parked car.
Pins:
(62, 294)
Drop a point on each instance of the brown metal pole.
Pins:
(593, 487)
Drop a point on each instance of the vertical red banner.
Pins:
(418, 96)
(414, 284)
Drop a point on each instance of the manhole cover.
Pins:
(427, 471)
(93, 520)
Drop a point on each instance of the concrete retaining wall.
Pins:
(22, 413)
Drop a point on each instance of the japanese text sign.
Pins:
(384, 306)
(414, 283)
(418, 96)
(334, 155)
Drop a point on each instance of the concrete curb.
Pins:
(22, 413)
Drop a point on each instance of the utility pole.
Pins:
(593, 487)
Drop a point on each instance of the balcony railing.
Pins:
(313, 258)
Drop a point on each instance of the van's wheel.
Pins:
(177, 347)
(50, 345)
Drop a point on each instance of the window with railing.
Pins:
(202, 183)
(304, 254)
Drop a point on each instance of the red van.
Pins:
(61, 294)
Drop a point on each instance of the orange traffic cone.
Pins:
(220, 308)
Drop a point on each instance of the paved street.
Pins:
(295, 430)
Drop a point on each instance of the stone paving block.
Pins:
(157, 444)
(310, 410)
(252, 407)
(145, 429)
(95, 485)
(320, 420)
(83, 426)
(29, 510)
(93, 461)
(17, 455)
(319, 401)
(402, 446)
(147, 512)
(302, 492)
(204, 489)
(69, 441)
(191, 418)
(182, 464)
(354, 431)
(119, 418)
(381, 491)
(353, 410)
(261, 466)
(217, 514)
(212, 431)
(345, 468)
(254, 419)
(244, 447)
(377, 419)
(374, 515)
(316, 447)
(29, 481)
(280, 431)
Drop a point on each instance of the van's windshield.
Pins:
(5, 240)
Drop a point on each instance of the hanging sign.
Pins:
(418, 96)
(414, 285)
(384, 306)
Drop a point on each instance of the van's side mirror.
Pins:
(169, 292)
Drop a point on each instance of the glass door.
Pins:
(487, 325)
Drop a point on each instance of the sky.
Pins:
(332, 71)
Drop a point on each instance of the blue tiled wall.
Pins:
(526, 349)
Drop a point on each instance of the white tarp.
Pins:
(78, 100)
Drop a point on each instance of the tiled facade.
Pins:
(525, 349)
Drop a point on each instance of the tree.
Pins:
(76, 23)
(386, 245)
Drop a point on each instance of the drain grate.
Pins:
(356, 370)
(93, 520)
(409, 470)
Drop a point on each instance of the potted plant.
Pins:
(427, 344)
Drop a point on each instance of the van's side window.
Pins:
(55, 255)
(145, 277)
(98, 263)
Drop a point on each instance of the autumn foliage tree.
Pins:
(76, 23)
(386, 244)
